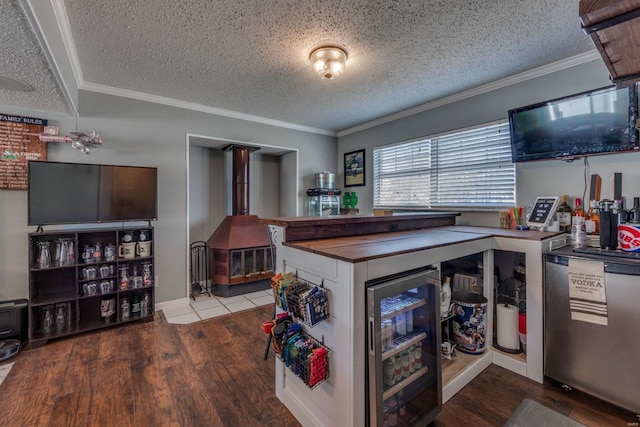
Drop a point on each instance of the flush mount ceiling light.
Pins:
(8, 83)
(328, 61)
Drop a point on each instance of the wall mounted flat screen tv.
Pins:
(66, 193)
(590, 123)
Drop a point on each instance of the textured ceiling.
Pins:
(22, 59)
(251, 56)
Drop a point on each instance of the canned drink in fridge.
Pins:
(389, 333)
(389, 372)
(401, 324)
(417, 355)
(397, 365)
(412, 359)
(409, 321)
(406, 364)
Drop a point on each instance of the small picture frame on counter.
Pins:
(354, 169)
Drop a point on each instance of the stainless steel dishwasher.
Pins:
(601, 360)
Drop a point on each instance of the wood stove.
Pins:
(240, 251)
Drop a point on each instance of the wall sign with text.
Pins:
(19, 143)
(542, 212)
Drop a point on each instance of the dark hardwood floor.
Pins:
(491, 398)
(212, 373)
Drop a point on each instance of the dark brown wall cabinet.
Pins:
(614, 27)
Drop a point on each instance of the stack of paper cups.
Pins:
(508, 337)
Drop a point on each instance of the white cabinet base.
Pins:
(465, 376)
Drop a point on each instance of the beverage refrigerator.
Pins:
(403, 341)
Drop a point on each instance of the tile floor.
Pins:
(205, 307)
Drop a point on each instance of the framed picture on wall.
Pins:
(354, 169)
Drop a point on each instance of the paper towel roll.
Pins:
(508, 337)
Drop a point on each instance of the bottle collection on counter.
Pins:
(608, 221)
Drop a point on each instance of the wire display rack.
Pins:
(306, 301)
(305, 356)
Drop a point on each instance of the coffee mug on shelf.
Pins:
(127, 250)
(143, 249)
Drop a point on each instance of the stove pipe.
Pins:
(240, 186)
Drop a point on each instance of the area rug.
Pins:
(533, 414)
(4, 371)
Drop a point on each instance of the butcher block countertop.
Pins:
(504, 232)
(372, 246)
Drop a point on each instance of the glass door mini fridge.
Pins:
(403, 339)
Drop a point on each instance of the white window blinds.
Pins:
(470, 169)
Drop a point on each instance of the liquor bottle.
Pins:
(135, 306)
(623, 214)
(563, 214)
(634, 212)
(579, 210)
(577, 220)
(592, 223)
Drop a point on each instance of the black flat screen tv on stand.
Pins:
(597, 122)
(72, 193)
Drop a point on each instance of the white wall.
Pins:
(210, 182)
(146, 134)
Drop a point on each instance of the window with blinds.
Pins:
(464, 170)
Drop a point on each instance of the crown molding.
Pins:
(498, 84)
(110, 90)
(65, 30)
(69, 44)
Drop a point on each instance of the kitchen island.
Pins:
(343, 264)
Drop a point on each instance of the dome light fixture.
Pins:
(7, 83)
(328, 61)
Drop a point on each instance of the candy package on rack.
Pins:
(304, 356)
(308, 302)
(279, 284)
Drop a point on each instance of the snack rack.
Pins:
(302, 303)
(306, 301)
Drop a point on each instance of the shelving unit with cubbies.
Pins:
(66, 296)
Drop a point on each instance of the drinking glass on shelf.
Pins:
(124, 277)
(146, 274)
(97, 252)
(87, 254)
(48, 323)
(44, 256)
(61, 316)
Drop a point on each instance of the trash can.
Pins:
(469, 311)
(14, 320)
